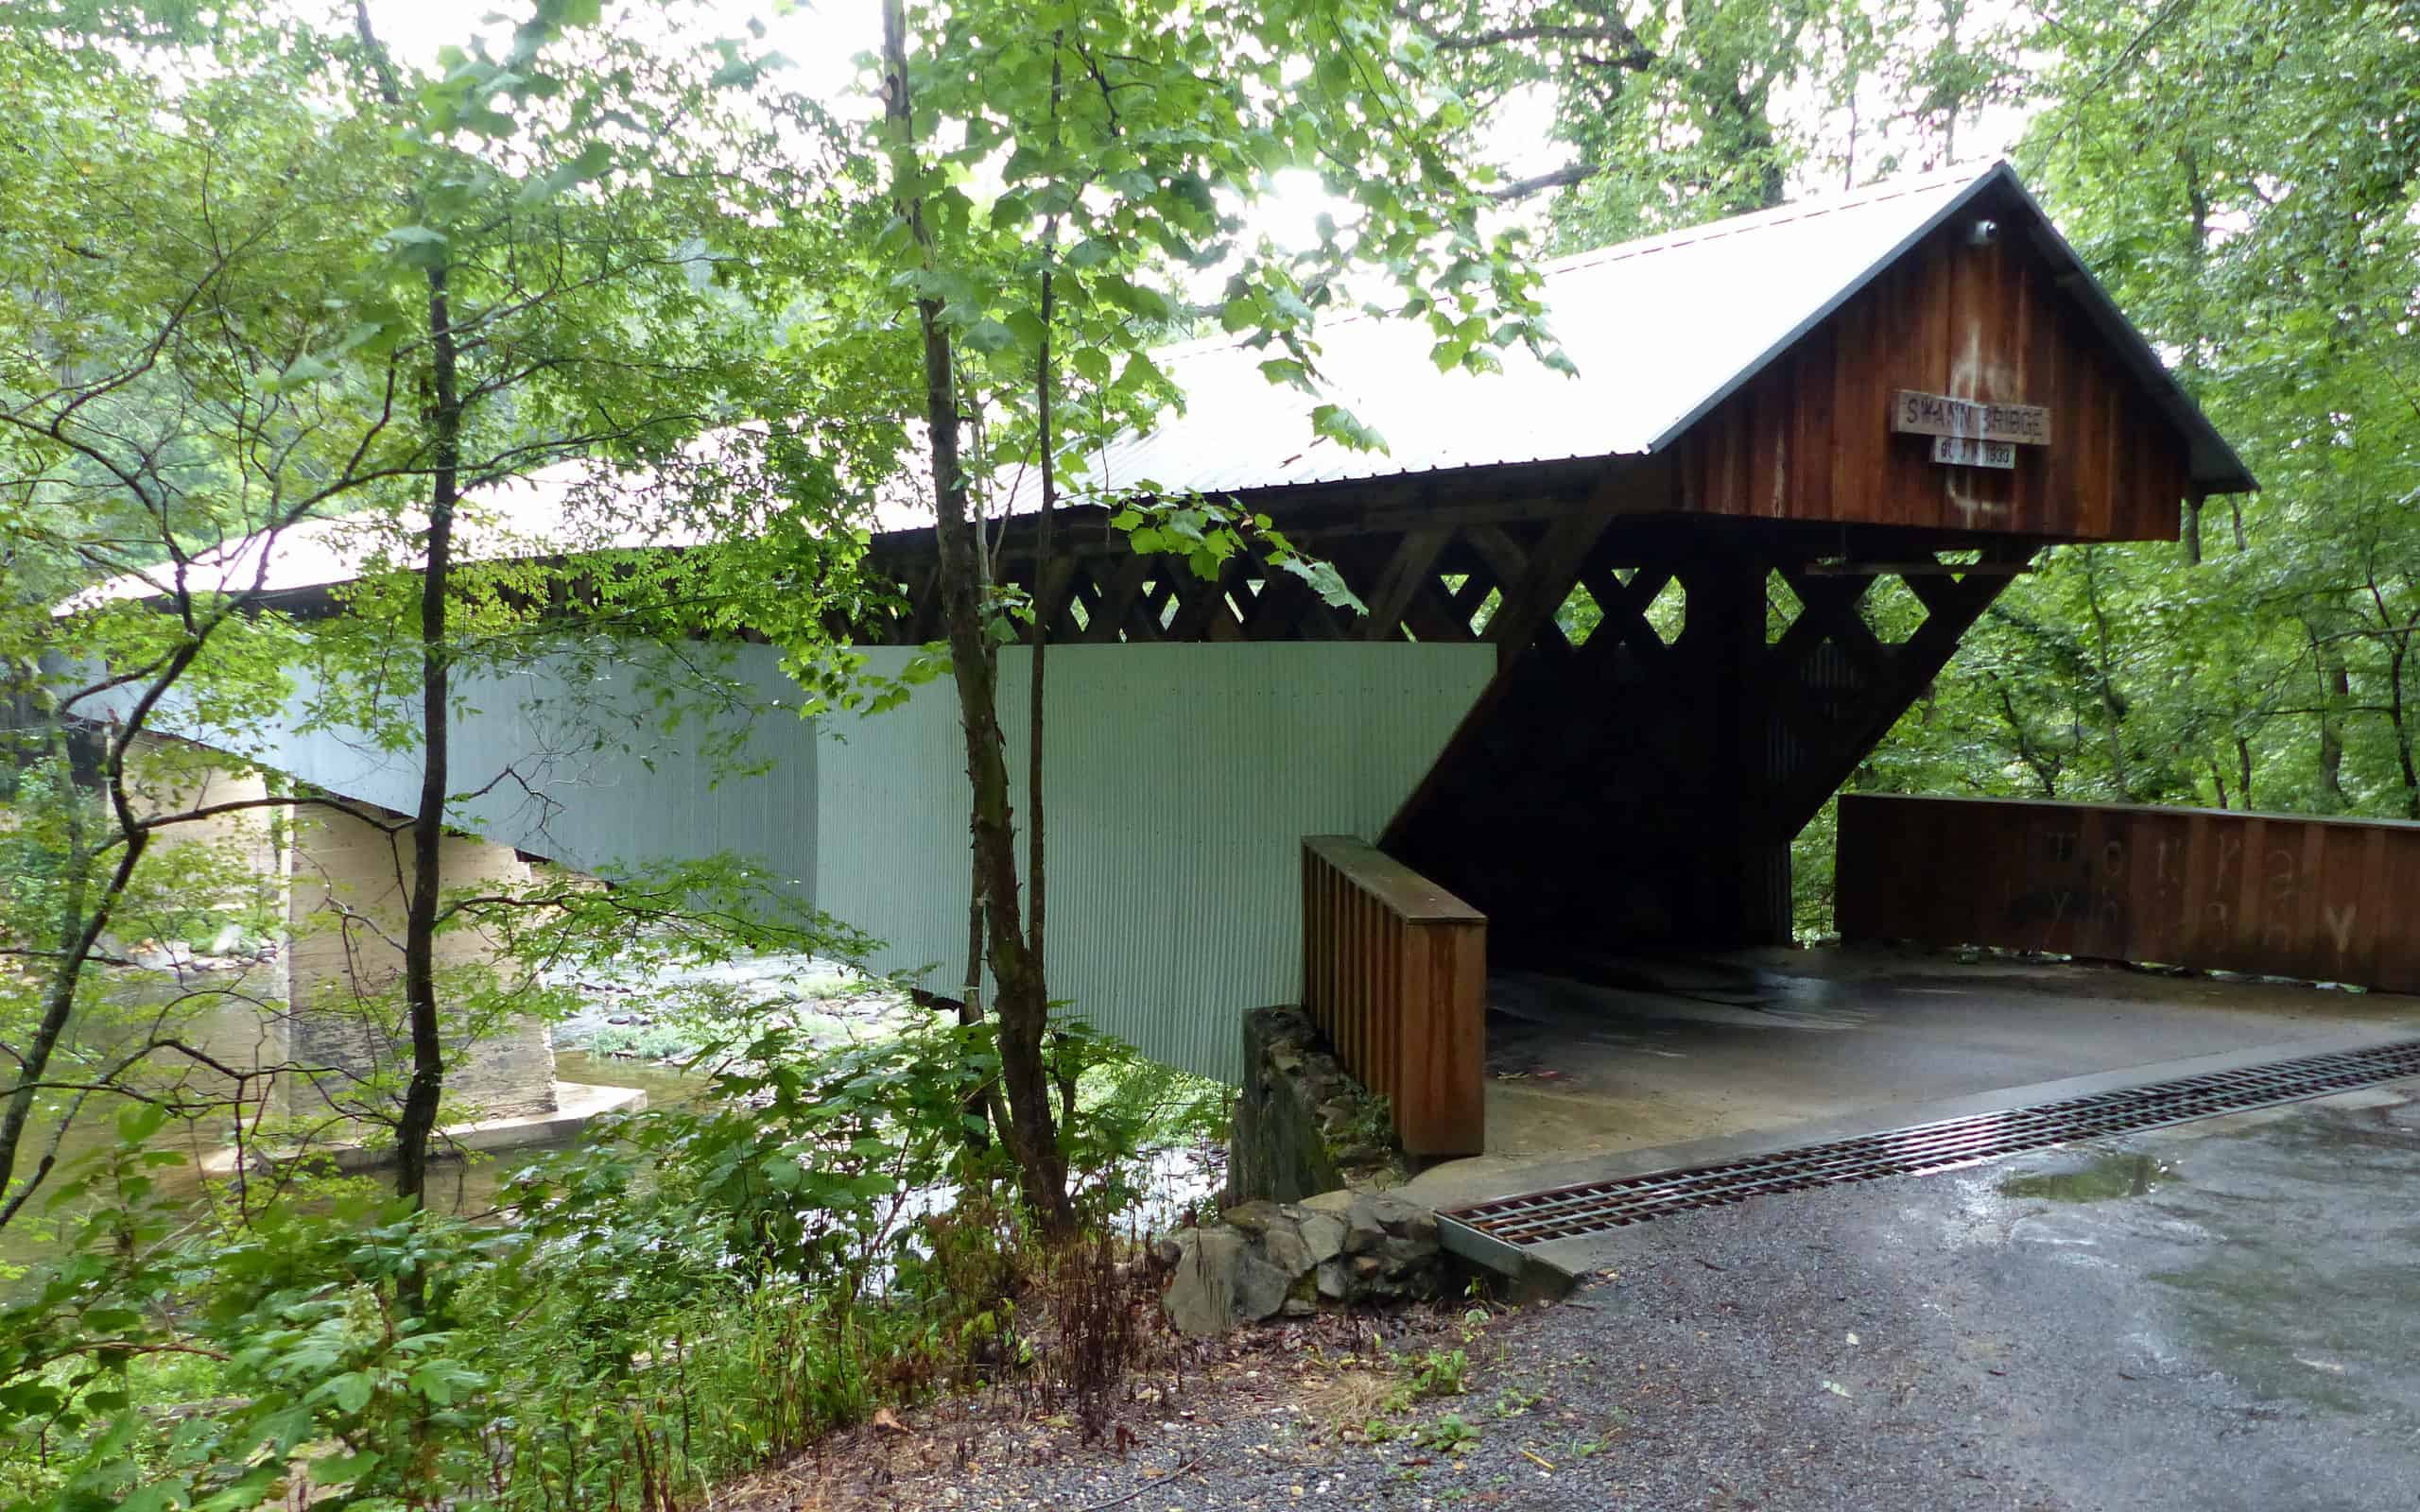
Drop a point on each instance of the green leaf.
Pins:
(988, 335)
(444, 1382)
(1326, 581)
(1150, 304)
(418, 246)
(160, 1496)
(592, 162)
(140, 1121)
(353, 1390)
(344, 1470)
(1338, 424)
(1287, 371)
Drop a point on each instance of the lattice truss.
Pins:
(1829, 652)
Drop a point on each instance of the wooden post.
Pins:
(1741, 887)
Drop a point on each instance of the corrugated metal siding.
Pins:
(1181, 779)
(610, 785)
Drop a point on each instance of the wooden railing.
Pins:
(2323, 899)
(1394, 972)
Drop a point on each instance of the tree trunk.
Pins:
(1022, 1001)
(2334, 692)
(418, 1125)
(82, 921)
(2112, 711)
(77, 935)
(2403, 755)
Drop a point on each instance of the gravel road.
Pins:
(2221, 1316)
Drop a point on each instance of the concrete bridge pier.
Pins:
(351, 876)
(329, 884)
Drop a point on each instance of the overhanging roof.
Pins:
(1660, 329)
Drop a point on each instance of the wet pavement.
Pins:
(2221, 1316)
(1763, 1049)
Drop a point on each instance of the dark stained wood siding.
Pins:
(1809, 438)
(2325, 900)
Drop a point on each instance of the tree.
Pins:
(2244, 180)
(213, 349)
(1051, 181)
(147, 416)
(1672, 114)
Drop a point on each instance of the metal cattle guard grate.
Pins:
(1596, 1207)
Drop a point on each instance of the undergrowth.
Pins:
(689, 1294)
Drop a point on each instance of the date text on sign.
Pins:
(1965, 452)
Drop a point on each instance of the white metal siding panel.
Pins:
(1181, 779)
(578, 768)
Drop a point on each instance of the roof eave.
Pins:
(2214, 467)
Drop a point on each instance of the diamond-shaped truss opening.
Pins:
(1579, 615)
(1470, 598)
(1668, 611)
(1782, 607)
(1890, 610)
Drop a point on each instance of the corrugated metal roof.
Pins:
(538, 515)
(1661, 331)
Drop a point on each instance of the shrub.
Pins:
(689, 1293)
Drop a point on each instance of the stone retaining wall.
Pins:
(1302, 1125)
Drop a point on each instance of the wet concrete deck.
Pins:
(1651, 1064)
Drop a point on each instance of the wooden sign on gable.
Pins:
(1922, 414)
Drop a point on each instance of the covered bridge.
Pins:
(1615, 654)
(1917, 381)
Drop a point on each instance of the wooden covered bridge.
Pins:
(1618, 648)
(1672, 556)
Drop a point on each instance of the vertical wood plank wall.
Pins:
(1394, 973)
(2325, 900)
(1809, 438)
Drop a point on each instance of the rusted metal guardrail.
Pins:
(1394, 973)
(2325, 900)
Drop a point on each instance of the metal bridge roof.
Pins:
(1660, 329)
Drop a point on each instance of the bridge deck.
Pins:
(1764, 1048)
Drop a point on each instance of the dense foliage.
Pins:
(713, 1285)
(266, 276)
